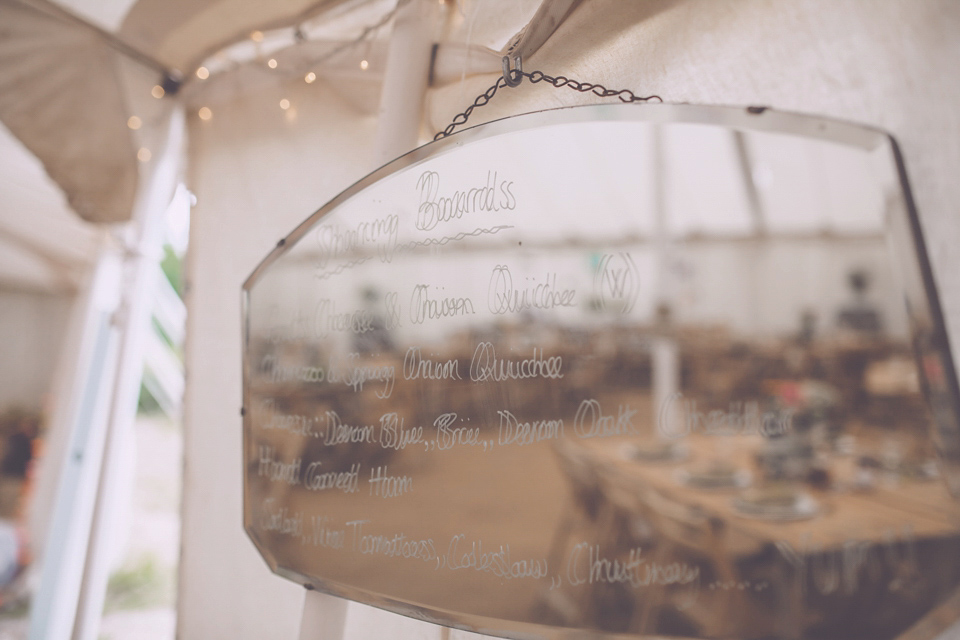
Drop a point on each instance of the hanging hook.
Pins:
(514, 77)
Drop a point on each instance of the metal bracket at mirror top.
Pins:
(612, 371)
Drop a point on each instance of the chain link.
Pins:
(624, 95)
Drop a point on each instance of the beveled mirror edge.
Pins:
(929, 279)
(741, 118)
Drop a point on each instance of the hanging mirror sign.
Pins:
(612, 370)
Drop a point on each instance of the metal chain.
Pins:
(625, 95)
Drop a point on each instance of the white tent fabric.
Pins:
(258, 170)
(44, 246)
(68, 116)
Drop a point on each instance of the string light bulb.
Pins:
(272, 63)
(134, 122)
(284, 104)
(143, 155)
(157, 91)
(256, 36)
(205, 113)
(310, 77)
(364, 64)
(203, 73)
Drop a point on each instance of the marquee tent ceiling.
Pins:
(71, 75)
(68, 87)
(44, 246)
(60, 94)
(73, 72)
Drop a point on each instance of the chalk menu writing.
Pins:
(477, 401)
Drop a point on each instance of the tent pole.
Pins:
(76, 559)
(138, 300)
(405, 79)
(398, 131)
(83, 426)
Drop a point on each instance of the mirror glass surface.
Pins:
(643, 370)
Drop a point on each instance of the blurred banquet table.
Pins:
(855, 550)
(866, 514)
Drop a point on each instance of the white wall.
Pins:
(33, 326)
(891, 64)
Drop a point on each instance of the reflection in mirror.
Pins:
(612, 370)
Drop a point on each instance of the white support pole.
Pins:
(398, 131)
(103, 396)
(665, 356)
(83, 422)
(405, 78)
(324, 617)
(143, 254)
